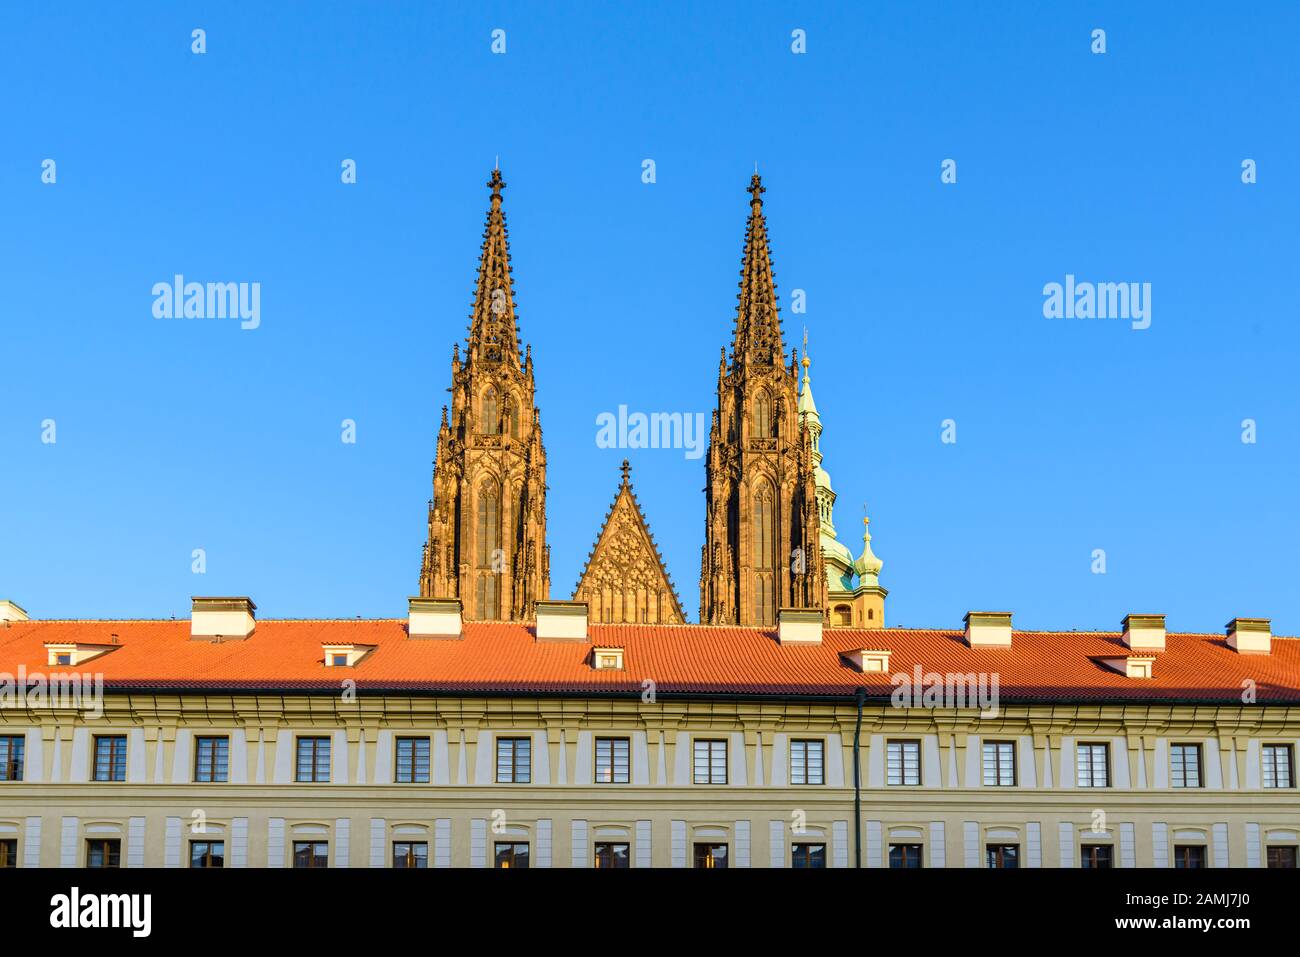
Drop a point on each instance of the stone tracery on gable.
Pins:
(625, 580)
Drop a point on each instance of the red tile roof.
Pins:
(504, 658)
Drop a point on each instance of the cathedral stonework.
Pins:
(625, 579)
(769, 535)
(487, 518)
(761, 534)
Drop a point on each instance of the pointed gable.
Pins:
(624, 579)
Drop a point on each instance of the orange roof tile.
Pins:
(504, 658)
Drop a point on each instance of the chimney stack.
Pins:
(799, 626)
(561, 620)
(988, 629)
(437, 618)
(1144, 632)
(11, 611)
(1250, 636)
(222, 619)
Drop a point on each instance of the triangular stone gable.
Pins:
(625, 579)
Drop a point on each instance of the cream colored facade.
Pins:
(158, 810)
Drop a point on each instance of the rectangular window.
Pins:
(1003, 856)
(9, 853)
(807, 855)
(411, 854)
(211, 759)
(311, 854)
(110, 757)
(1279, 855)
(1278, 766)
(514, 760)
(11, 757)
(612, 757)
(313, 760)
(903, 763)
(612, 855)
(1185, 765)
(1096, 856)
(999, 764)
(412, 760)
(807, 761)
(711, 856)
(1191, 856)
(511, 855)
(1092, 765)
(710, 762)
(905, 855)
(102, 853)
(207, 853)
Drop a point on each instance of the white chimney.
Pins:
(11, 611)
(1250, 636)
(988, 629)
(1144, 632)
(222, 619)
(561, 620)
(799, 626)
(437, 618)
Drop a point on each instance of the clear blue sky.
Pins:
(924, 299)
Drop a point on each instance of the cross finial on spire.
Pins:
(496, 184)
(627, 469)
(756, 189)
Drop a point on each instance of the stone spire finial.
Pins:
(757, 335)
(807, 407)
(493, 330)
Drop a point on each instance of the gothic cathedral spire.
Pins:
(757, 336)
(487, 519)
(761, 550)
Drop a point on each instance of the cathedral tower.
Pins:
(487, 519)
(761, 532)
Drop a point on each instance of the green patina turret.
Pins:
(853, 586)
(838, 558)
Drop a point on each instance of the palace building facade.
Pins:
(493, 726)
